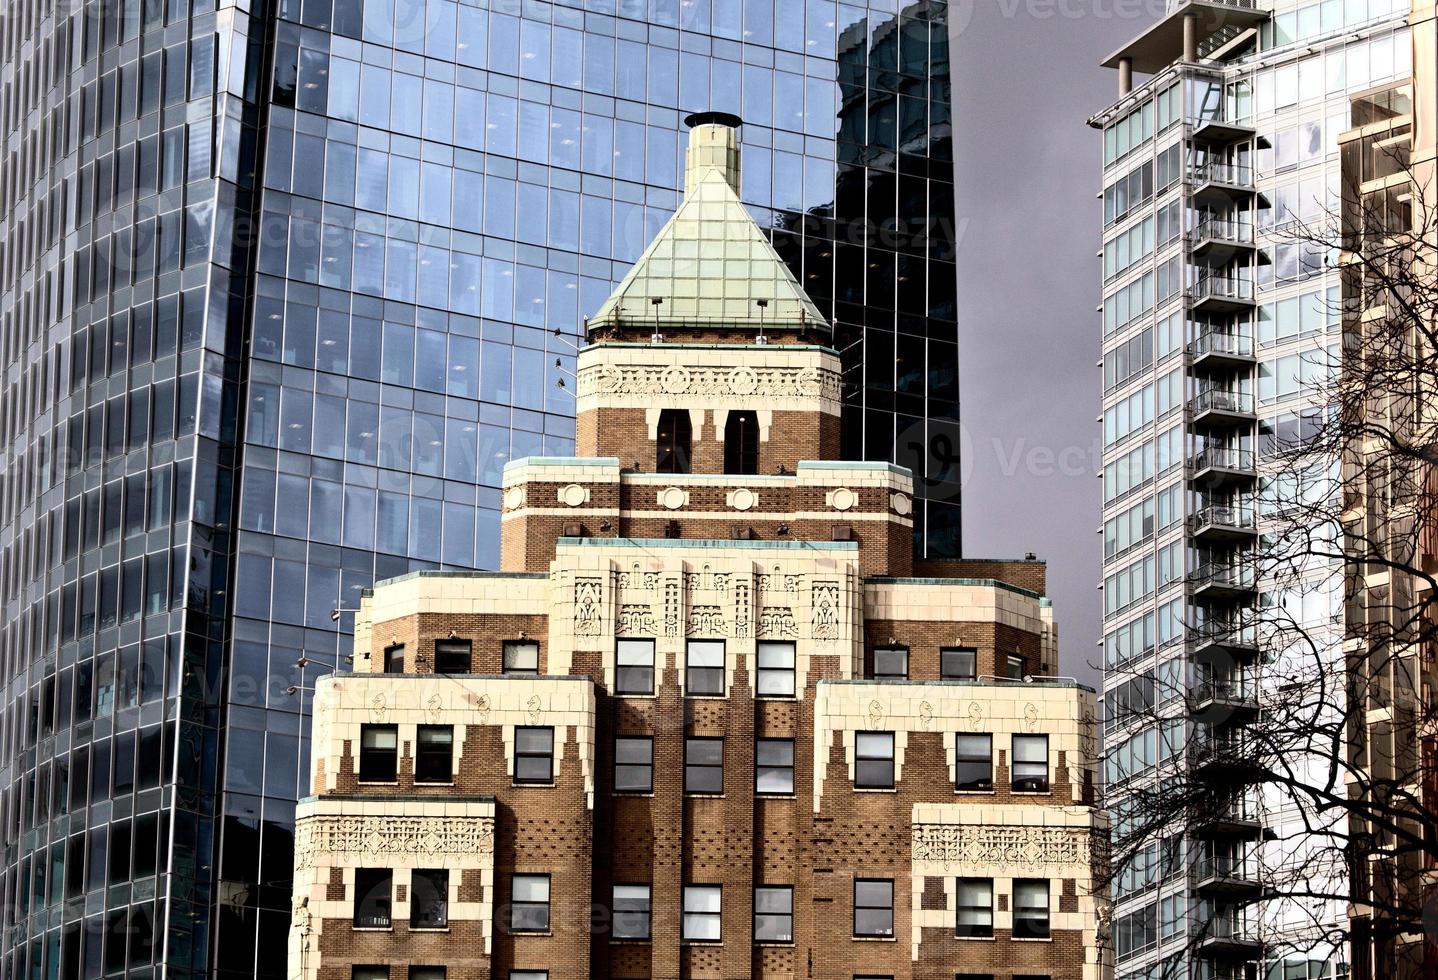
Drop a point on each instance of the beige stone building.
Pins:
(712, 718)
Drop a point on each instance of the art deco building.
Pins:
(1215, 321)
(712, 718)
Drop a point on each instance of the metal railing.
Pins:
(1213, 342)
(1221, 287)
(1237, 686)
(1223, 458)
(1209, 866)
(1225, 515)
(1234, 575)
(1216, 399)
(1224, 230)
(1235, 174)
(1220, 633)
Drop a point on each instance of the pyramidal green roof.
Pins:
(710, 264)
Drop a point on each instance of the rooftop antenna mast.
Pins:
(656, 337)
(763, 305)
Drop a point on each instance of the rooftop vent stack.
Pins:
(713, 143)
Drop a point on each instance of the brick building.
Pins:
(712, 719)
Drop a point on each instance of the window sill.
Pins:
(525, 932)
(1031, 792)
(875, 939)
(975, 939)
(427, 929)
(549, 785)
(776, 796)
(704, 796)
(701, 942)
(418, 784)
(621, 941)
(705, 696)
(372, 928)
(876, 789)
(974, 792)
(635, 794)
(1032, 939)
(377, 782)
(634, 694)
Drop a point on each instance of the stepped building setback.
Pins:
(713, 718)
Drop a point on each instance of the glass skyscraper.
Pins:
(284, 287)
(1220, 321)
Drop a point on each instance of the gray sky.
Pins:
(1029, 224)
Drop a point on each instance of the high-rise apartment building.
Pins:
(712, 718)
(285, 285)
(1217, 321)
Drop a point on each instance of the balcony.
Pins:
(1224, 758)
(1219, 467)
(1221, 294)
(1227, 937)
(1219, 643)
(1220, 523)
(1223, 580)
(1219, 408)
(1222, 132)
(1218, 241)
(1219, 185)
(1236, 818)
(1225, 877)
(1212, 349)
(1226, 700)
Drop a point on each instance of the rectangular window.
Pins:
(704, 667)
(534, 755)
(975, 901)
(394, 659)
(1015, 667)
(521, 657)
(635, 667)
(369, 973)
(776, 670)
(774, 767)
(426, 973)
(373, 888)
(703, 765)
(874, 760)
(891, 663)
(1031, 764)
(452, 657)
(1031, 908)
(528, 975)
(434, 754)
(379, 753)
(529, 903)
(701, 914)
(631, 912)
(634, 764)
(958, 663)
(774, 914)
(973, 762)
(429, 898)
(873, 907)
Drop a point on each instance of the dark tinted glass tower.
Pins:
(284, 287)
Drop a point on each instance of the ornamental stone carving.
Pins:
(706, 621)
(826, 611)
(841, 499)
(635, 620)
(989, 845)
(743, 381)
(706, 580)
(637, 580)
(772, 383)
(777, 622)
(671, 607)
(514, 498)
(901, 504)
(672, 498)
(573, 495)
(381, 836)
(586, 607)
(742, 499)
(675, 380)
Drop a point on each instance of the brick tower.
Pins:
(711, 719)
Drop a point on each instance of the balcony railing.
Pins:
(1218, 400)
(1222, 458)
(1224, 634)
(1228, 344)
(1233, 174)
(1223, 575)
(1207, 866)
(1225, 230)
(1225, 288)
(1240, 516)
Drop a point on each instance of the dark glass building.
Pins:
(282, 288)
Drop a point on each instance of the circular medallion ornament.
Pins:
(573, 495)
(843, 498)
(743, 381)
(513, 497)
(675, 380)
(671, 498)
(901, 503)
(743, 499)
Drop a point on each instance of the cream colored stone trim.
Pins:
(717, 515)
(1009, 842)
(486, 595)
(739, 595)
(731, 377)
(1064, 714)
(344, 703)
(935, 600)
(402, 835)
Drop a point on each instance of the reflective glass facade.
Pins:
(284, 286)
(1219, 320)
